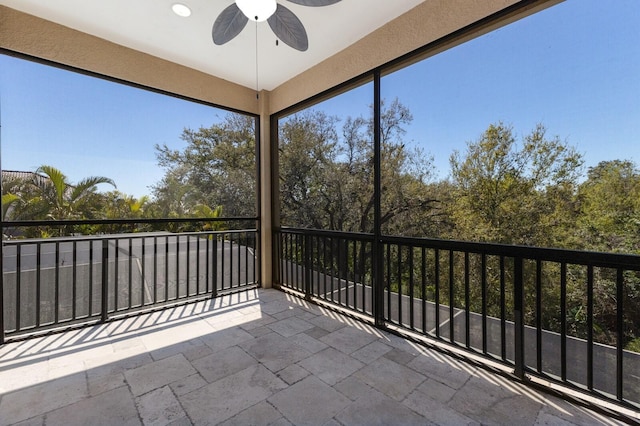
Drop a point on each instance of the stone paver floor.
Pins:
(261, 357)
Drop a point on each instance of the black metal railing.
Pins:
(333, 266)
(63, 281)
(560, 315)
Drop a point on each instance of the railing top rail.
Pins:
(361, 236)
(576, 257)
(137, 235)
(26, 223)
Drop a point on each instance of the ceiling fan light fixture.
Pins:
(257, 10)
(181, 10)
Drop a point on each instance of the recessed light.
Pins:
(181, 10)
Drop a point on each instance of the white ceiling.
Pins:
(150, 26)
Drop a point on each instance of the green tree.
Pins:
(204, 211)
(326, 173)
(610, 207)
(122, 206)
(308, 148)
(216, 168)
(610, 222)
(515, 193)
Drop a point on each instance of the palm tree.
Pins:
(204, 211)
(122, 206)
(66, 201)
(8, 200)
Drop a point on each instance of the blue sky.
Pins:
(90, 127)
(574, 68)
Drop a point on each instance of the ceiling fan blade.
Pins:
(228, 24)
(315, 2)
(288, 28)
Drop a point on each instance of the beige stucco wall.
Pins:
(427, 22)
(265, 207)
(43, 39)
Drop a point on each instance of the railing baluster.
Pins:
(483, 278)
(116, 284)
(232, 248)
(518, 314)
(214, 266)
(388, 283)
(335, 243)
(292, 262)
(589, 328)
(452, 301)
(207, 262)
(198, 286)
(299, 262)
(346, 272)
(503, 311)
(437, 295)
(104, 315)
(324, 262)
(18, 286)
(177, 266)
(341, 269)
(619, 334)
(563, 321)
(319, 263)
(285, 248)
(411, 288)
(539, 316)
(302, 251)
(130, 273)
(400, 285)
(238, 248)
(90, 307)
(289, 259)
(257, 260)
(74, 280)
(223, 262)
(166, 269)
(56, 317)
(155, 269)
(363, 275)
(307, 266)
(188, 268)
(355, 271)
(143, 262)
(467, 301)
(424, 290)
(38, 284)
(246, 259)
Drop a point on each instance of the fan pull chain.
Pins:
(257, 86)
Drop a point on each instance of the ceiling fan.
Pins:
(283, 22)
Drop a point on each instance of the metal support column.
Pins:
(378, 253)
